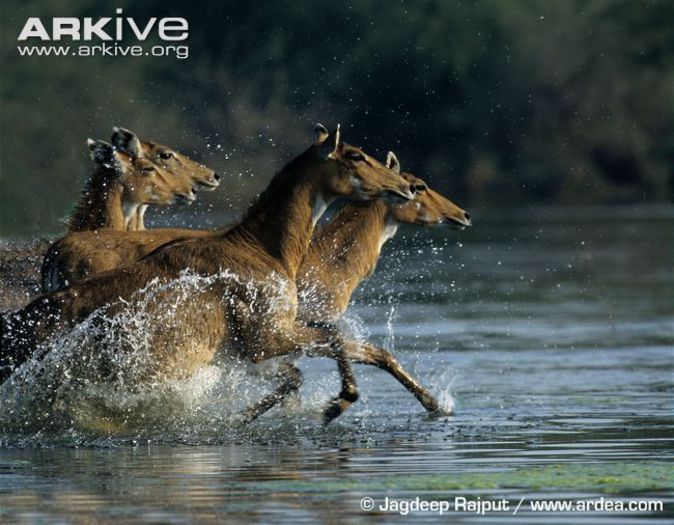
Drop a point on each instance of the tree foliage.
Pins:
(495, 103)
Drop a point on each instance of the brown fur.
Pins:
(128, 183)
(82, 254)
(77, 257)
(100, 206)
(346, 250)
(114, 187)
(341, 254)
(270, 243)
(203, 178)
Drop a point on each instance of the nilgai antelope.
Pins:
(346, 251)
(240, 314)
(120, 184)
(179, 165)
(80, 254)
(340, 256)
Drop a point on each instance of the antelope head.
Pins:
(176, 163)
(159, 185)
(142, 181)
(429, 208)
(350, 172)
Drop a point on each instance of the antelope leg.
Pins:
(349, 392)
(368, 354)
(315, 340)
(291, 378)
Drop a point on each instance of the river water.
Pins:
(549, 331)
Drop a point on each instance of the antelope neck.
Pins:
(114, 202)
(283, 220)
(354, 237)
(100, 205)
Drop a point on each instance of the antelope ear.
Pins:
(392, 162)
(338, 142)
(101, 152)
(320, 134)
(126, 141)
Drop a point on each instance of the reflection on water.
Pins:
(550, 331)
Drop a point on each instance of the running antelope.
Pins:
(323, 293)
(240, 315)
(346, 251)
(79, 254)
(120, 184)
(340, 256)
(179, 165)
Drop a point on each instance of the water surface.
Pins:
(549, 331)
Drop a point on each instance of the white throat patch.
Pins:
(389, 231)
(129, 211)
(320, 205)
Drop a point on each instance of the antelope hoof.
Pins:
(333, 411)
(247, 417)
(440, 412)
(340, 404)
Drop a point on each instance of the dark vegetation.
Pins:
(497, 103)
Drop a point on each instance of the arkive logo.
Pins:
(86, 29)
(102, 37)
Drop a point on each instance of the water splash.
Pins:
(100, 377)
(442, 384)
(95, 384)
(390, 330)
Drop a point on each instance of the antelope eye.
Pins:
(356, 156)
(148, 169)
(166, 155)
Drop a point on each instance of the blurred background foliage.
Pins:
(495, 103)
